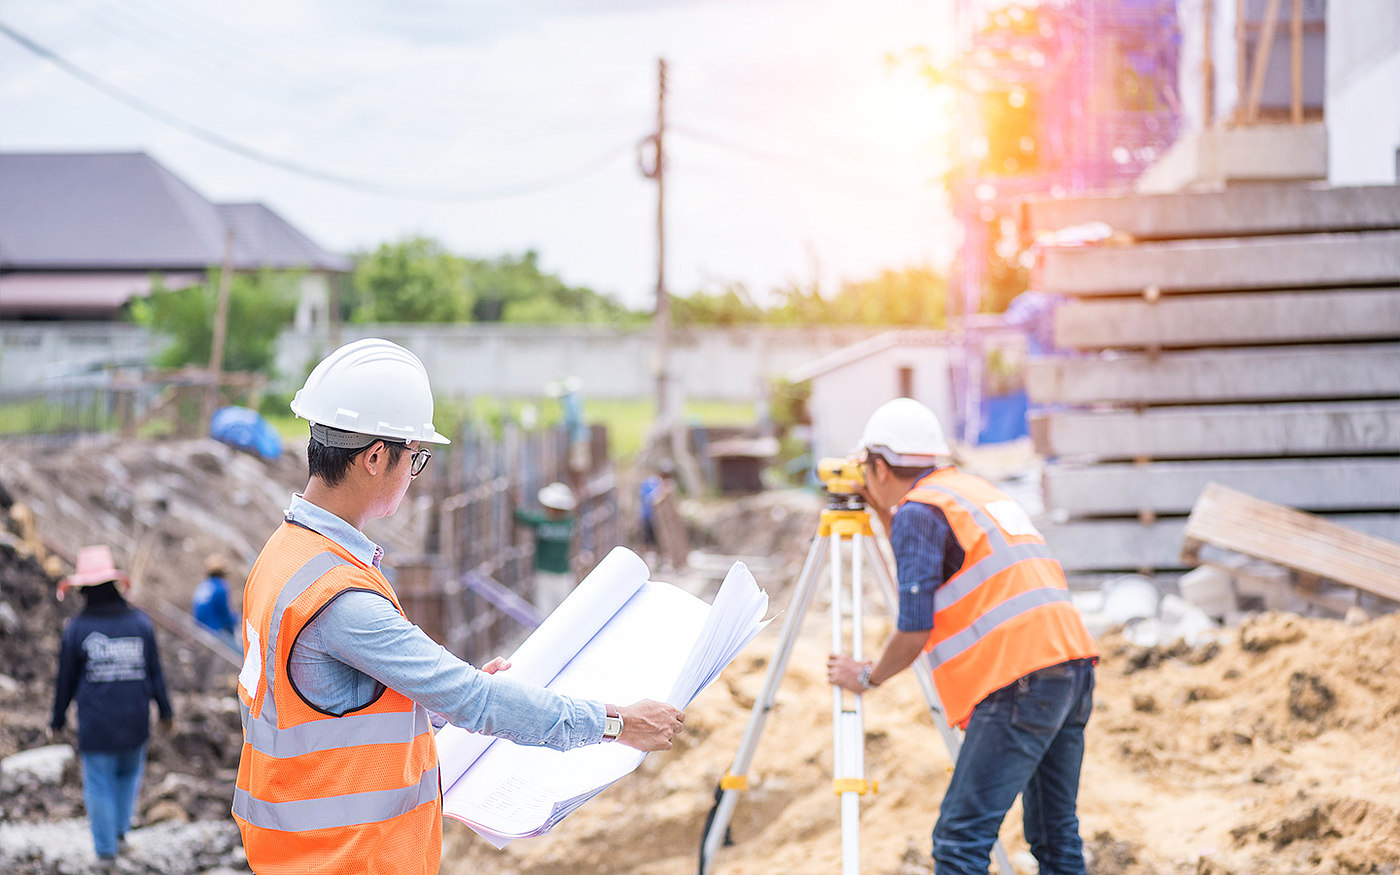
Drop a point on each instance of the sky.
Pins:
(799, 149)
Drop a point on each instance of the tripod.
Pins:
(845, 518)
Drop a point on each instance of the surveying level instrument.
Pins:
(844, 519)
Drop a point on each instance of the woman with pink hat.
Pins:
(109, 663)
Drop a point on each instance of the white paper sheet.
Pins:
(618, 638)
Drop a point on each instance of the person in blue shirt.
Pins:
(210, 605)
(109, 663)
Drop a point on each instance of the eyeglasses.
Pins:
(418, 461)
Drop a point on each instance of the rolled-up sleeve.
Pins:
(917, 535)
(365, 632)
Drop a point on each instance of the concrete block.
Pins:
(1226, 431)
(1235, 212)
(1210, 589)
(1283, 262)
(1230, 319)
(1218, 157)
(1087, 546)
(1167, 488)
(1275, 374)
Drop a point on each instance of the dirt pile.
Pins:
(1273, 750)
(182, 817)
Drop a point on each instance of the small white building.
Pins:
(848, 384)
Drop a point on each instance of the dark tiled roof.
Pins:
(125, 211)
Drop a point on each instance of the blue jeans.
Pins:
(1025, 738)
(111, 782)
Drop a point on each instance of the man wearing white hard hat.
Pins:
(1012, 660)
(339, 771)
(553, 532)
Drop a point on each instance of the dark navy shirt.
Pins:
(109, 663)
(926, 553)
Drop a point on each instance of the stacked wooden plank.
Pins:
(1249, 337)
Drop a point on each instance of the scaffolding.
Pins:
(1057, 98)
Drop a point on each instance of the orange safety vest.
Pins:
(1007, 610)
(318, 792)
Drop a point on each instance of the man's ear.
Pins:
(374, 459)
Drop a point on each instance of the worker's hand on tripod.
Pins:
(844, 672)
(650, 725)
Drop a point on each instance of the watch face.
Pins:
(612, 727)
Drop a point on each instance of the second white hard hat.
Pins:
(905, 432)
(372, 387)
(557, 496)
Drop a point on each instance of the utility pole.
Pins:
(216, 355)
(669, 426)
(662, 323)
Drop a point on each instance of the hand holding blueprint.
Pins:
(618, 638)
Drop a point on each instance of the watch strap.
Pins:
(612, 723)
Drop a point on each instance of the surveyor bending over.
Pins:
(339, 771)
(1012, 660)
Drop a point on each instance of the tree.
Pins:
(413, 280)
(514, 289)
(260, 306)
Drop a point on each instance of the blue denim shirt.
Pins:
(360, 644)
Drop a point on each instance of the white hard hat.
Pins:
(371, 387)
(905, 432)
(557, 496)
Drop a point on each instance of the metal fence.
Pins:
(474, 590)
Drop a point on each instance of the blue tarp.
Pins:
(1003, 418)
(245, 429)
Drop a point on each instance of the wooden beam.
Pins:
(1262, 49)
(1230, 319)
(1221, 432)
(1296, 107)
(1234, 521)
(1273, 374)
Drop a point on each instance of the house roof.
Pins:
(864, 349)
(116, 211)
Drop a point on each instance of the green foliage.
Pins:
(514, 289)
(413, 280)
(418, 280)
(732, 306)
(914, 296)
(260, 306)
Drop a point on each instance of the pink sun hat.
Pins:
(94, 566)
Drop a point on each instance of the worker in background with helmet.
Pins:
(1012, 660)
(553, 530)
(339, 770)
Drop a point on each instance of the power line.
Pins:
(220, 141)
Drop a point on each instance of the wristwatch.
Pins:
(612, 723)
(863, 678)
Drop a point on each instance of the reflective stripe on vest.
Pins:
(351, 809)
(1014, 607)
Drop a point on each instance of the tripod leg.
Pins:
(923, 671)
(736, 779)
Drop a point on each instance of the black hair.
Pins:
(903, 472)
(332, 464)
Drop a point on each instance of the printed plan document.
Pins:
(617, 638)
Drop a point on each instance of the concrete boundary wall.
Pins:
(492, 360)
